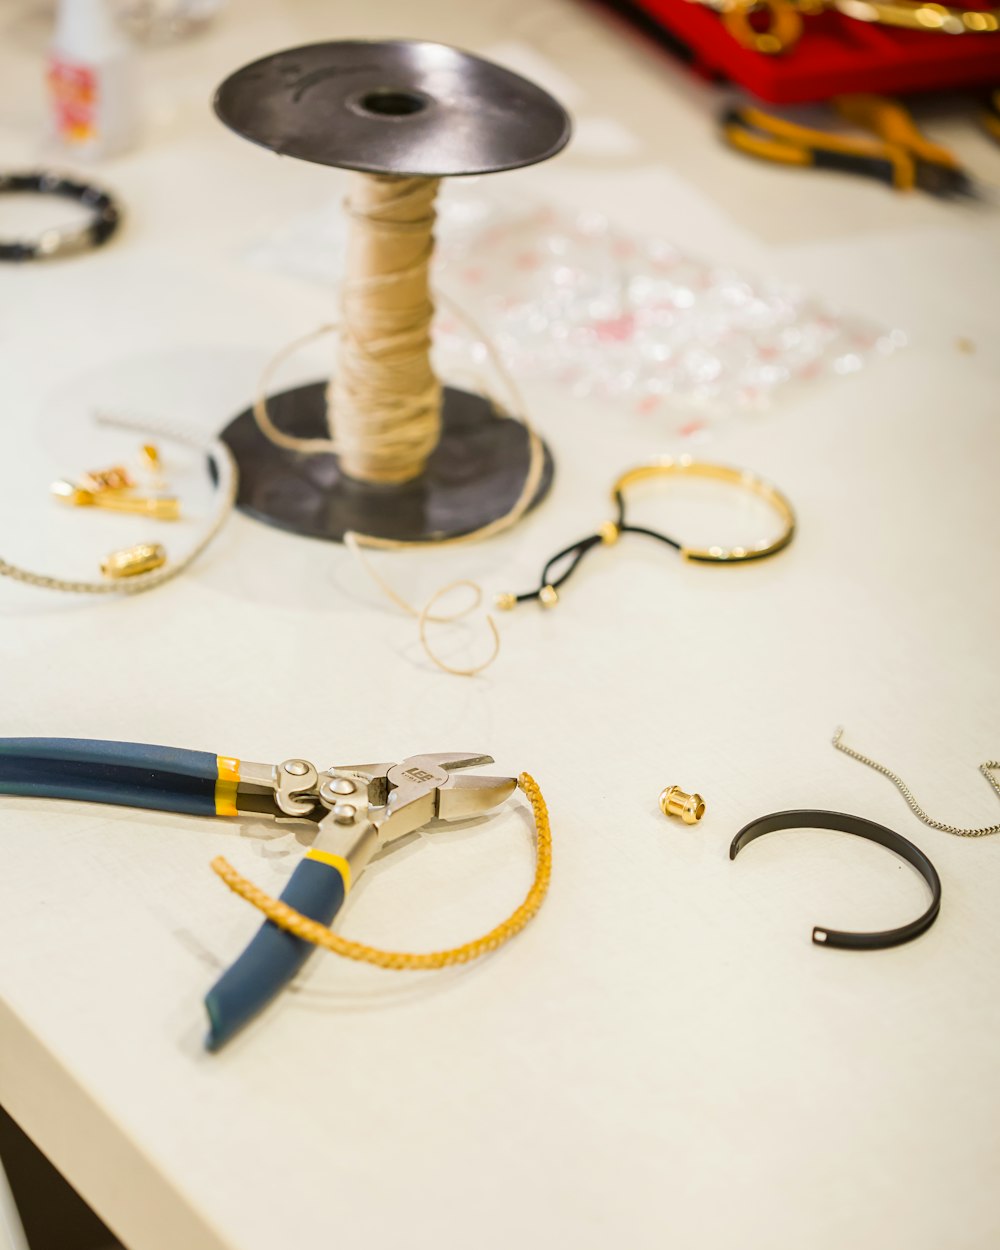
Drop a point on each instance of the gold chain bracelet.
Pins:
(294, 922)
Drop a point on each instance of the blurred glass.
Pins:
(611, 315)
(165, 21)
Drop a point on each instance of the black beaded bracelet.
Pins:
(61, 241)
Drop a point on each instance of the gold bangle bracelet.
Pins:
(668, 466)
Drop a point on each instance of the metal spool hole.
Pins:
(391, 102)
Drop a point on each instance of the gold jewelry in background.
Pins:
(784, 19)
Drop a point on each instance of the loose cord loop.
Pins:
(425, 616)
(300, 926)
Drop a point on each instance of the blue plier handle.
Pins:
(129, 774)
(166, 779)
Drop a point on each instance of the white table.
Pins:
(662, 1058)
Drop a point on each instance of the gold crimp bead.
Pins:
(548, 596)
(142, 558)
(506, 601)
(609, 532)
(675, 802)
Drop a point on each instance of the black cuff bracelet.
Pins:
(863, 829)
(61, 241)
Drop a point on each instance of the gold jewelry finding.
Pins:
(548, 596)
(161, 507)
(142, 558)
(505, 601)
(675, 802)
(667, 466)
(115, 478)
(784, 25)
(609, 532)
(152, 464)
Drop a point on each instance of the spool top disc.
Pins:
(394, 106)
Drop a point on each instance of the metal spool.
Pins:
(407, 109)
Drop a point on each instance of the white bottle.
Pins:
(93, 84)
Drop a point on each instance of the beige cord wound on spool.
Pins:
(308, 930)
(384, 401)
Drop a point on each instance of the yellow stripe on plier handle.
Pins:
(225, 786)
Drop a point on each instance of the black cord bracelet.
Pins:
(610, 531)
(862, 828)
(576, 551)
(67, 240)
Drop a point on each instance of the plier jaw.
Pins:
(431, 787)
(397, 799)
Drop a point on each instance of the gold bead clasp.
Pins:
(675, 802)
(142, 558)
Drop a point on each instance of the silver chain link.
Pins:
(986, 769)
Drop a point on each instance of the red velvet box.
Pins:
(835, 55)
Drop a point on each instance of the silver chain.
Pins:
(986, 769)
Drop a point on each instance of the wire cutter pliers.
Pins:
(359, 809)
(898, 154)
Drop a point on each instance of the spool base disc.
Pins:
(474, 475)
